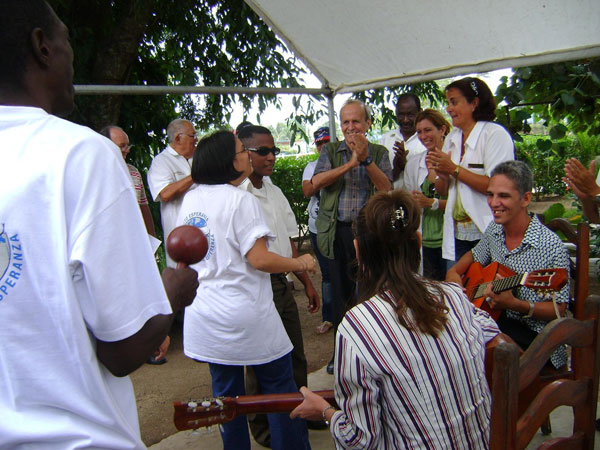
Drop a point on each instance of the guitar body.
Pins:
(477, 275)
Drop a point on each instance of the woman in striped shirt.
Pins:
(409, 357)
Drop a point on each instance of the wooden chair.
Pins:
(580, 283)
(579, 388)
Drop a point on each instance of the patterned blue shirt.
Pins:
(356, 188)
(540, 249)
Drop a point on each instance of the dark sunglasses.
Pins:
(264, 151)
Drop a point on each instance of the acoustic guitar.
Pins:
(195, 414)
(205, 413)
(477, 278)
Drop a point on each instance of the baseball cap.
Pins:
(321, 135)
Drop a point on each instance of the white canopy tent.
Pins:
(353, 45)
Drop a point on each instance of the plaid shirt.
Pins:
(357, 184)
(540, 249)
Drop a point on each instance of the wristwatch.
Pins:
(436, 204)
(455, 173)
(368, 160)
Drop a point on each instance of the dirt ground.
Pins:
(182, 379)
(157, 387)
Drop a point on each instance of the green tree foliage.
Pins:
(565, 96)
(168, 42)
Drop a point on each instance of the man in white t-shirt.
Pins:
(403, 143)
(169, 175)
(74, 317)
(282, 222)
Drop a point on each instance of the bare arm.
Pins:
(378, 178)
(444, 165)
(329, 177)
(506, 300)
(308, 189)
(262, 259)
(459, 269)
(176, 189)
(124, 356)
(147, 215)
(314, 302)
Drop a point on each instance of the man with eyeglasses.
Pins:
(259, 142)
(402, 143)
(121, 140)
(170, 177)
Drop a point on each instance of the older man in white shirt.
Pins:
(169, 175)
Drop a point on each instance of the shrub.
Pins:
(287, 174)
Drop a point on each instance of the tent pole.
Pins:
(332, 135)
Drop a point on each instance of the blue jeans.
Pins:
(326, 281)
(274, 377)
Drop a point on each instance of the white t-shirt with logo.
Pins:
(75, 265)
(233, 320)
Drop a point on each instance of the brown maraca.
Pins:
(187, 245)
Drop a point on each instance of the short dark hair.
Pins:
(243, 124)
(250, 130)
(518, 172)
(472, 88)
(18, 18)
(213, 159)
(409, 96)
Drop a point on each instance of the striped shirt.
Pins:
(400, 388)
(138, 185)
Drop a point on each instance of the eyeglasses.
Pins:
(124, 146)
(264, 151)
(244, 150)
(193, 136)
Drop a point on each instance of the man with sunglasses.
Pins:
(170, 177)
(259, 142)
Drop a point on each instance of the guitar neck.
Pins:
(274, 403)
(203, 413)
(501, 285)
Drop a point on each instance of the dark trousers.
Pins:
(274, 377)
(325, 280)
(434, 266)
(288, 311)
(342, 271)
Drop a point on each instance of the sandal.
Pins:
(324, 327)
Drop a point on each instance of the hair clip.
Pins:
(398, 219)
(474, 87)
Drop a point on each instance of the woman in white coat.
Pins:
(470, 153)
(419, 179)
